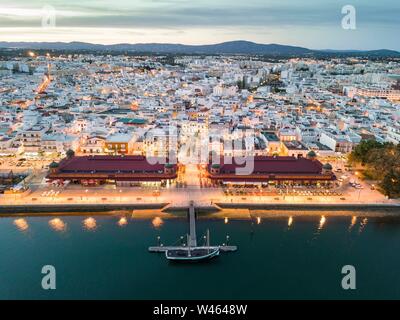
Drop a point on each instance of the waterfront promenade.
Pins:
(135, 198)
(110, 197)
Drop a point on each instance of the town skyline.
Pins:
(215, 155)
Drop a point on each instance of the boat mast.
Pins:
(188, 242)
(208, 240)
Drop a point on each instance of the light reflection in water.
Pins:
(363, 224)
(290, 222)
(226, 220)
(21, 224)
(90, 223)
(321, 222)
(157, 222)
(353, 222)
(258, 220)
(58, 225)
(122, 222)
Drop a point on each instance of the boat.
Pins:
(193, 254)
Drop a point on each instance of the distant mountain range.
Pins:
(232, 47)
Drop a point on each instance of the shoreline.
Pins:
(218, 210)
(311, 207)
(77, 208)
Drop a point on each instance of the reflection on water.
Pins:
(290, 221)
(21, 224)
(363, 224)
(90, 223)
(157, 222)
(317, 233)
(353, 222)
(321, 222)
(58, 225)
(226, 220)
(258, 220)
(122, 222)
(281, 264)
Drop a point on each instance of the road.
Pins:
(192, 186)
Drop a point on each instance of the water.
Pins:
(97, 258)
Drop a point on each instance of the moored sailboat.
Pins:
(196, 253)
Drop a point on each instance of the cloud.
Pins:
(183, 13)
(285, 21)
(36, 12)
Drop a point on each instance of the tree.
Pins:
(362, 151)
(70, 153)
(241, 84)
(390, 184)
(381, 162)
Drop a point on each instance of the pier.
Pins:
(192, 238)
(192, 241)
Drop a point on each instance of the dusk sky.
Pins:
(313, 23)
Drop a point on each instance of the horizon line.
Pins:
(197, 45)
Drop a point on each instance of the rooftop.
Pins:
(276, 165)
(271, 136)
(133, 121)
(119, 137)
(107, 164)
(295, 145)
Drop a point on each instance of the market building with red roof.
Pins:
(119, 170)
(272, 170)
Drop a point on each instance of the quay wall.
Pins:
(182, 210)
(76, 208)
(312, 207)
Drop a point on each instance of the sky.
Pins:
(315, 24)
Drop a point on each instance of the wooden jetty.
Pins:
(191, 239)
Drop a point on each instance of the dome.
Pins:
(53, 165)
(327, 166)
(311, 154)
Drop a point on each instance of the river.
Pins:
(106, 257)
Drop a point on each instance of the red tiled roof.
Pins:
(110, 164)
(276, 165)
